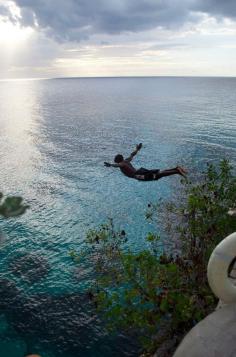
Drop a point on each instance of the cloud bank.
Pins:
(76, 20)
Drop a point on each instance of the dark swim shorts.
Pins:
(143, 174)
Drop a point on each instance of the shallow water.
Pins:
(54, 137)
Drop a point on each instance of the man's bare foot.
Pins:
(182, 171)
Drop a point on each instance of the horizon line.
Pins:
(107, 77)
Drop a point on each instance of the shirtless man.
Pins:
(142, 174)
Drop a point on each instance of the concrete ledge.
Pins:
(215, 336)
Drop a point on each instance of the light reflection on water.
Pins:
(19, 131)
(54, 137)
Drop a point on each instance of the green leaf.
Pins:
(13, 207)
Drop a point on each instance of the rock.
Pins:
(9, 294)
(66, 323)
(30, 267)
(215, 336)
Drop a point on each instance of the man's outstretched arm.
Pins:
(138, 147)
(107, 164)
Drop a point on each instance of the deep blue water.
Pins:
(54, 137)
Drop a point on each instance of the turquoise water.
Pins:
(54, 137)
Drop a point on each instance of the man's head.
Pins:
(118, 158)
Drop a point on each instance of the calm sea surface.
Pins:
(54, 137)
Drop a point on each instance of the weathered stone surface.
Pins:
(215, 336)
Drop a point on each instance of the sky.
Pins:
(86, 38)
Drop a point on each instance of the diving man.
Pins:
(142, 174)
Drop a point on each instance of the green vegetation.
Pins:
(12, 206)
(161, 292)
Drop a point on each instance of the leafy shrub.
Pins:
(161, 292)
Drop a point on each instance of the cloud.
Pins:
(75, 20)
(219, 8)
(6, 12)
(86, 37)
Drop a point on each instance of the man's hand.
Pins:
(138, 147)
(107, 164)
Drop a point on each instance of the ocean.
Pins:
(54, 137)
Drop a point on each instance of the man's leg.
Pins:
(169, 172)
